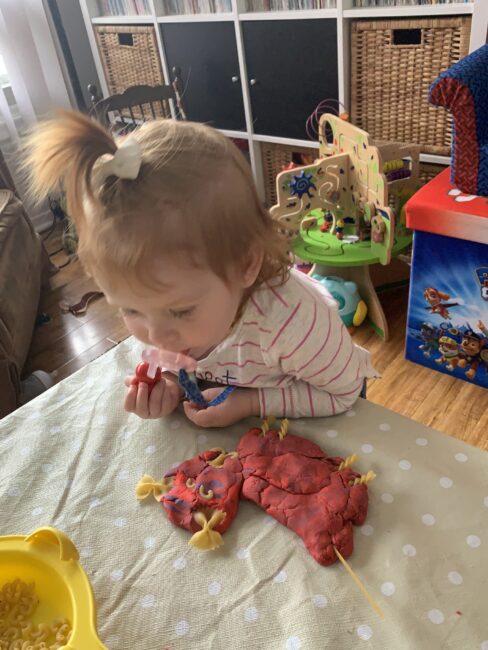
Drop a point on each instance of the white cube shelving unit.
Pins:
(239, 16)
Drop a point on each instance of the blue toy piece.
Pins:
(194, 394)
(302, 184)
(352, 309)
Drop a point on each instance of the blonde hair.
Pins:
(194, 196)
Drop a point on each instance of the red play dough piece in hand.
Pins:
(141, 375)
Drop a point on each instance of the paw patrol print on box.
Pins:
(448, 303)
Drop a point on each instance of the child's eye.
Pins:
(129, 312)
(181, 313)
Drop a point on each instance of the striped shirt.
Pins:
(291, 345)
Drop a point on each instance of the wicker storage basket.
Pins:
(130, 57)
(277, 156)
(429, 171)
(393, 63)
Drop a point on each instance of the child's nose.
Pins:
(162, 337)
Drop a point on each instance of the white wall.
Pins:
(36, 81)
(479, 26)
(73, 25)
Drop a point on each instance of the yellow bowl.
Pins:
(49, 558)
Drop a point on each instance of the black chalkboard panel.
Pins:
(294, 63)
(207, 56)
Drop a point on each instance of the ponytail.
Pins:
(62, 152)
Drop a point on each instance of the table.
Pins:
(72, 457)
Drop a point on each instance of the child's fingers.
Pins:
(208, 417)
(171, 398)
(155, 401)
(190, 410)
(130, 399)
(128, 380)
(142, 401)
(211, 393)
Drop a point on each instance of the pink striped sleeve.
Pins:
(292, 405)
(258, 308)
(277, 294)
(285, 325)
(310, 400)
(317, 351)
(305, 338)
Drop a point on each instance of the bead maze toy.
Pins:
(345, 212)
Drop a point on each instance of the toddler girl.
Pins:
(172, 230)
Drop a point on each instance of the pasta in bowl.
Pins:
(46, 600)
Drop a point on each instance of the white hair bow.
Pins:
(125, 163)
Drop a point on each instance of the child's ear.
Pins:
(251, 266)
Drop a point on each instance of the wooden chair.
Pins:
(137, 104)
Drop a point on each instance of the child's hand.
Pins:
(242, 403)
(164, 398)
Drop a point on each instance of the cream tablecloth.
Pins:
(72, 457)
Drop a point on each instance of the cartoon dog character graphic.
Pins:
(449, 349)
(429, 337)
(435, 297)
(470, 350)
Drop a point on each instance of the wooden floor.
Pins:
(456, 407)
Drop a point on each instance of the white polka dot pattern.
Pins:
(388, 588)
(428, 519)
(319, 600)
(409, 550)
(455, 577)
(214, 588)
(367, 530)
(251, 614)
(148, 601)
(73, 463)
(446, 482)
(182, 628)
(364, 632)
(436, 616)
(280, 577)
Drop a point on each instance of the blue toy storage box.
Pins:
(447, 327)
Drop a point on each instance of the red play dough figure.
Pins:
(197, 484)
(289, 477)
(297, 484)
